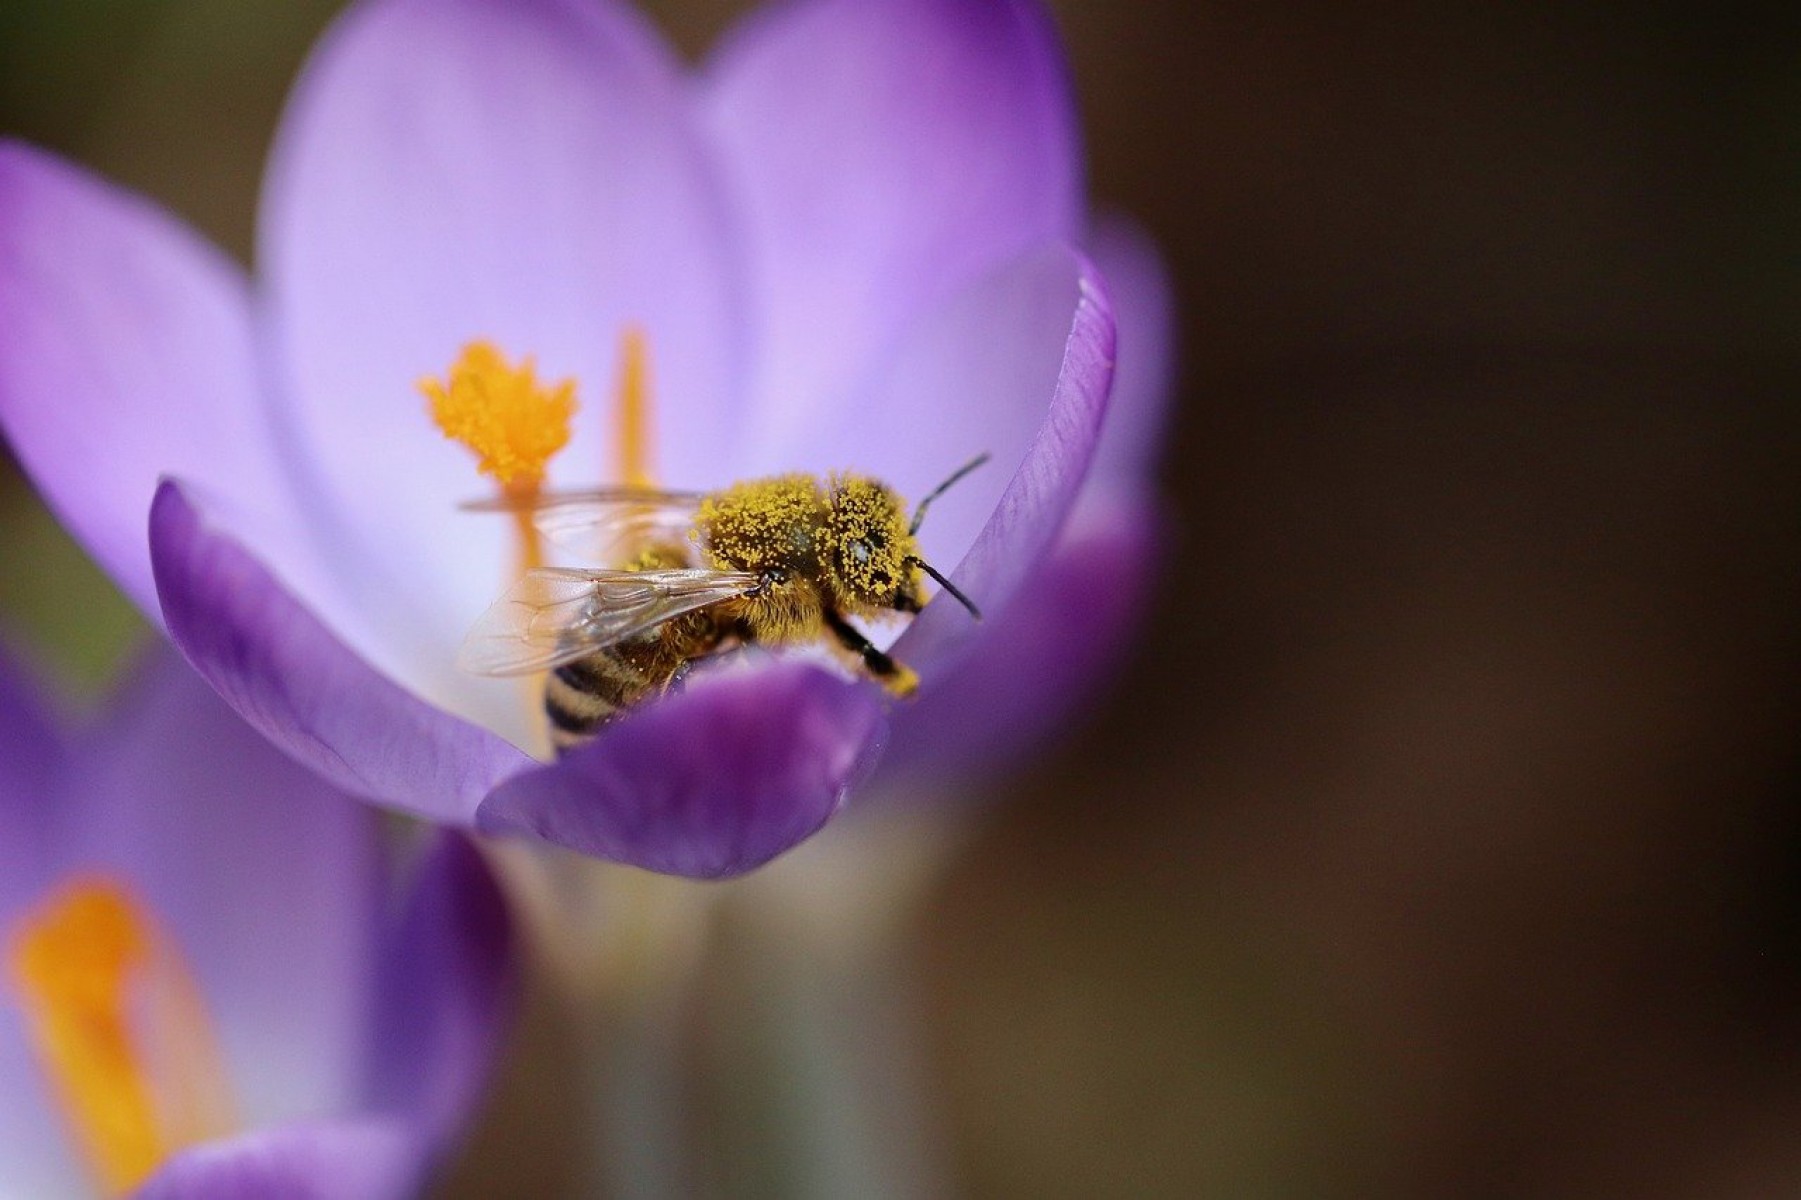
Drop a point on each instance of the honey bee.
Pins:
(782, 560)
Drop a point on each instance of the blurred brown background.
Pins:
(1443, 835)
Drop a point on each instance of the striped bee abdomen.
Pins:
(582, 696)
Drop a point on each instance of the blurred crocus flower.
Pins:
(847, 241)
(214, 980)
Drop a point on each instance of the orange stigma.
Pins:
(113, 1013)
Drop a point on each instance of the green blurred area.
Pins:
(59, 64)
(175, 98)
(60, 59)
(55, 604)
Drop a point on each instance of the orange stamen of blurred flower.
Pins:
(117, 1024)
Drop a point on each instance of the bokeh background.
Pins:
(1441, 836)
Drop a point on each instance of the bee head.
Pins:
(871, 555)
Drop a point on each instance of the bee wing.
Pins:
(597, 524)
(554, 616)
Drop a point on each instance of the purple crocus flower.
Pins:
(207, 987)
(845, 242)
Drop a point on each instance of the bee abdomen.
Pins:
(582, 696)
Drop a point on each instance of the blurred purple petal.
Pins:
(290, 678)
(711, 782)
(523, 171)
(33, 747)
(1138, 283)
(347, 1160)
(445, 992)
(35, 1156)
(884, 153)
(1039, 494)
(125, 353)
(33, 754)
(1034, 664)
(227, 840)
(274, 889)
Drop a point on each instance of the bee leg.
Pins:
(892, 675)
(678, 678)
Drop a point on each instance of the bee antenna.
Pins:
(919, 513)
(950, 589)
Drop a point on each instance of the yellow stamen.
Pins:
(93, 973)
(531, 542)
(634, 410)
(514, 423)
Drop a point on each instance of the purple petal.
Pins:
(33, 747)
(290, 678)
(1144, 309)
(271, 883)
(35, 1156)
(361, 1160)
(999, 364)
(978, 374)
(885, 153)
(1034, 664)
(1028, 669)
(446, 992)
(709, 783)
(520, 170)
(33, 754)
(126, 353)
